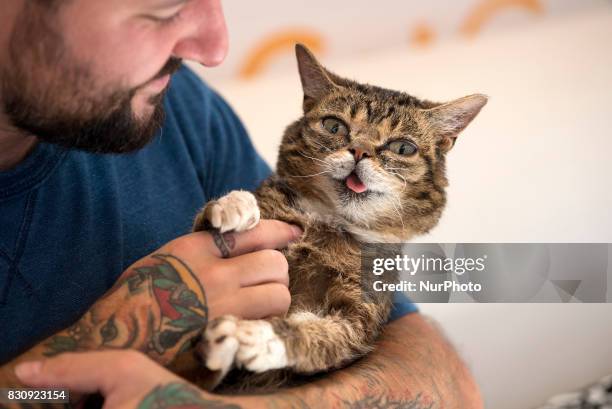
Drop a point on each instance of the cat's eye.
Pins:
(335, 126)
(403, 147)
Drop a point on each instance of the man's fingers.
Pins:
(260, 267)
(76, 371)
(87, 372)
(268, 234)
(258, 302)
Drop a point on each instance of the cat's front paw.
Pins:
(220, 344)
(260, 348)
(253, 345)
(237, 211)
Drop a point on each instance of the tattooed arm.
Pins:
(158, 306)
(412, 368)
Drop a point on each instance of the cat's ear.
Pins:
(316, 81)
(448, 119)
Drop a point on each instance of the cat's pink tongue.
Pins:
(355, 184)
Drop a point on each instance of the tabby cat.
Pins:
(363, 164)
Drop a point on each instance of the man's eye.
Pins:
(335, 126)
(166, 20)
(403, 147)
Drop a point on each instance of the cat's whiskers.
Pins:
(321, 145)
(401, 177)
(317, 159)
(309, 176)
(397, 210)
(316, 142)
(328, 166)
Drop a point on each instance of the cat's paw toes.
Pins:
(221, 344)
(250, 344)
(236, 211)
(260, 348)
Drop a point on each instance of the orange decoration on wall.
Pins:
(486, 9)
(422, 35)
(277, 44)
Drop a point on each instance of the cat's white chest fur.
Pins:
(318, 213)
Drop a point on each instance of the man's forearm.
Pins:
(414, 367)
(156, 307)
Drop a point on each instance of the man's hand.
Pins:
(242, 273)
(127, 379)
(163, 301)
(413, 366)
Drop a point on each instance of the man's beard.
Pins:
(63, 105)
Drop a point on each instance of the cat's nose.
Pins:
(359, 153)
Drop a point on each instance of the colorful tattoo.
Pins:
(156, 308)
(180, 395)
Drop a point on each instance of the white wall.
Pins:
(522, 354)
(348, 28)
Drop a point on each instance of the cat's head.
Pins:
(372, 157)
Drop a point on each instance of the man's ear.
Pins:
(448, 119)
(316, 81)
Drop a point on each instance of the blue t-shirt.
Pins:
(71, 222)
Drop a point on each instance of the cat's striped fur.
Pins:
(329, 323)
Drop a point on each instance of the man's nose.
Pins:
(207, 41)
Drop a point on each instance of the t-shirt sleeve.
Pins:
(216, 140)
(233, 161)
(401, 306)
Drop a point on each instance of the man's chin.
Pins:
(144, 114)
(121, 132)
(145, 106)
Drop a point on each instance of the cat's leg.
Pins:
(219, 346)
(303, 341)
(251, 344)
(319, 343)
(237, 211)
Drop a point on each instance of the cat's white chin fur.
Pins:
(369, 236)
(237, 211)
(249, 344)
